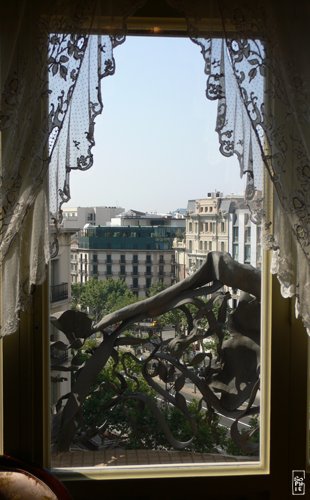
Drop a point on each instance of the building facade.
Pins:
(140, 255)
(221, 224)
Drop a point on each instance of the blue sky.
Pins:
(156, 145)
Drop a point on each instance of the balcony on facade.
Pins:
(59, 292)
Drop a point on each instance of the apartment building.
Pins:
(244, 237)
(140, 255)
(224, 224)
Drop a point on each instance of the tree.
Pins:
(100, 297)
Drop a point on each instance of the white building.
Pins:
(218, 223)
(76, 218)
(244, 237)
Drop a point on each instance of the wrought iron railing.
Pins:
(154, 371)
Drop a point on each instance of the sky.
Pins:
(155, 142)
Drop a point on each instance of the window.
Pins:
(235, 254)
(109, 258)
(201, 226)
(123, 259)
(190, 246)
(148, 259)
(235, 234)
(95, 269)
(109, 270)
(247, 254)
(148, 270)
(223, 227)
(95, 257)
(135, 258)
(222, 246)
(135, 283)
(135, 270)
(247, 234)
(122, 270)
(190, 227)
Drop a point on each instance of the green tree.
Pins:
(100, 297)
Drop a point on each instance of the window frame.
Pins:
(26, 389)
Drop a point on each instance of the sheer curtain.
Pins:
(260, 76)
(50, 96)
(266, 123)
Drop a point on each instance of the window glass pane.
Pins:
(171, 386)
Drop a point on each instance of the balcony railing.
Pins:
(59, 292)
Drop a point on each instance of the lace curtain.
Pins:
(48, 57)
(260, 76)
(267, 123)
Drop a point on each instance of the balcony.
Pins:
(59, 292)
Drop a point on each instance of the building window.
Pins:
(201, 226)
(148, 282)
(109, 259)
(95, 269)
(148, 270)
(148, 259)
(196, 227)
(235, 252)
(206, 227)
(206, 209)
(205, 246)
(222, 246)
(200, 245)
(190, 227)
(122, 270)
(210, 246)
(135, 258)
(190, 246)
(247, 234)
(95, 257)
(135, 270)
(123, 259)
(223, 227)
(135, 282)
(235, 234)
(161, 270)
(109, 270)
(161, 259)
(247, 254)
(211, 209)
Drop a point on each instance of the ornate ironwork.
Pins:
(226, 380)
